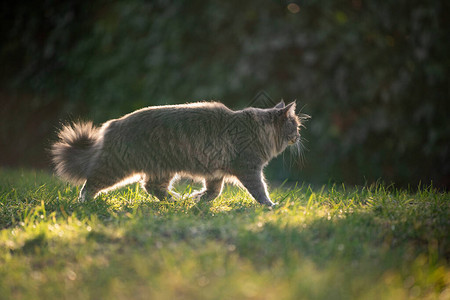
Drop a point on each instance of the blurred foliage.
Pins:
(373, 75)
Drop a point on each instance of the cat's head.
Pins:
(281, 126)
(287, 124)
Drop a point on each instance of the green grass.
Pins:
(336, 242)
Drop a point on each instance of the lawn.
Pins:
(333, 242)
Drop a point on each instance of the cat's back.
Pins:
(174, 120)
(178, 112)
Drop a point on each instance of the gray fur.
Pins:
(205, 141)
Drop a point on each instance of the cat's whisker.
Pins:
(297, 153)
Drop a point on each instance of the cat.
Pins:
(204, 140)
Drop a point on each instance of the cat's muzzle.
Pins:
(294, 140)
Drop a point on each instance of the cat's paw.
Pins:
(197, 196)
(270, 205)
(174, 197)
(83, 198)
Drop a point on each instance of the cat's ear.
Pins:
(289, 110)
(280, 105)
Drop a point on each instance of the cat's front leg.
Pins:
(255, 185)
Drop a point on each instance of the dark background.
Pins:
(374, 75)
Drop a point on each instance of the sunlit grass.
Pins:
(334, 242)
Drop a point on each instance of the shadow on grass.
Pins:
(364, 245)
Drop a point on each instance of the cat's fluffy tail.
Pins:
(75, 151)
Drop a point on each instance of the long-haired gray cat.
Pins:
(205, 141)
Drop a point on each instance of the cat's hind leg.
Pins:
(104, 174)
(159, 187)
(212, 190)
(95, 184)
